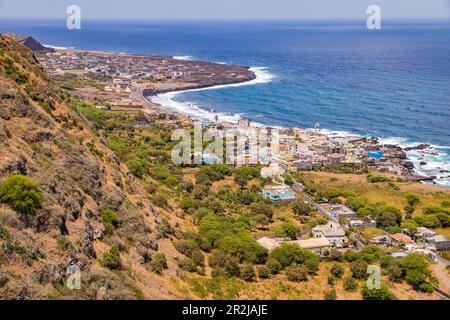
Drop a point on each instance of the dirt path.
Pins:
(442, 275)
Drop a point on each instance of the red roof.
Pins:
(401, 238)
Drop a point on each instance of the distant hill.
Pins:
(28, 42)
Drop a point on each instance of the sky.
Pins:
(225, 9)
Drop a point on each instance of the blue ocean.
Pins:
(393, 83)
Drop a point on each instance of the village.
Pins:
(126, 82)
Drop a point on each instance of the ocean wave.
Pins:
(167, 100)
(432, 161)
(184, 58)
(58, 47)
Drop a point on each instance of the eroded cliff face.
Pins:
(43, 137)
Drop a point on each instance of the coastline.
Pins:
(427, 166)
(416, 152)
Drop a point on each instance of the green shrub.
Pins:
(110, 221)
(289, 254)
(337, 270)
(158, 263)
(273, 265)
(297, 273)
(287, 230)
(111, 259)
(358, 269)
(261, 208)
(382, 293)
(63, 244)
(21, 193)
(445, 203)
(395, 273)
(186, 203)
(187, 265)
(138, 167)
(412, 199)
(300, 208)
(350, 284)
(376, 179)
(248, 273)
(263, 272)
(330, 295)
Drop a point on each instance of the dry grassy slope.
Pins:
(79, 176)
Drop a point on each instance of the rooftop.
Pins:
(313, 243)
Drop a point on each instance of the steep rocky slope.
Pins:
(43, 137)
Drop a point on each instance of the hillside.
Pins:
(44, 138)
(96, 189)
(29, 42)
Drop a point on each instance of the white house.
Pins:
(272, 171)
(333, 232)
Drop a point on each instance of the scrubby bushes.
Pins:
(358, 269)
(111, 259)
(110, 221)
(21, 193)
(350, 284)
(377, 179)
(412, 268)
(158, 262)
(232, 237)
(337, 270)
(289, 254)
(297, 273)
(381, 293)
(248, 273)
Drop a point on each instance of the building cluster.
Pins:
(120, 67)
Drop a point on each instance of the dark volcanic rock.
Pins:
(422, 146)
(29, 42)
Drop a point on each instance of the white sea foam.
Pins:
(58, 47)
(167, 100)
(433, 161)
(184, 58)
(436, 157)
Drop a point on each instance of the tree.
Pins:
(395, 273)
(248, 273)
(287, 230)
(262, 208)
(289, 254)
(387, 216)
(297, 273)
(415, 268)
(351, 255)
(381, 293)
(337, 270)
(330, 295)
(21, 193)
(412, 199)
(244, 174)
(356, 203)
(358, 269)
(262, 220)
(300, 208)
(335, 255)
